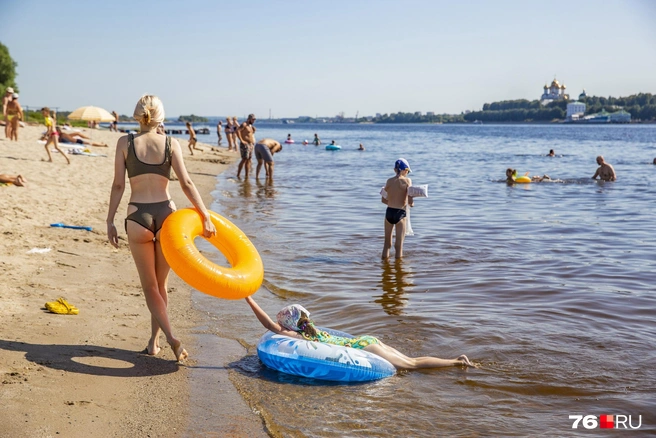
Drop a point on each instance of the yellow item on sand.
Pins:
(62, 306)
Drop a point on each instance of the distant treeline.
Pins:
(193, 119)
(518, 111)
(32, 116)
(35, 116)
(417, 118)
(641, 106)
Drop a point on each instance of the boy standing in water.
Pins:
(397, 200)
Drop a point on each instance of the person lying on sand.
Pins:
(16, 180)
(65, 137)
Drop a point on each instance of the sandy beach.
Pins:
(84, 375)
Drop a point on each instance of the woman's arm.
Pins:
(189, 188)
(118, 187)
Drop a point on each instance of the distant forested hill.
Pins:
(642, 107)
(193, 119)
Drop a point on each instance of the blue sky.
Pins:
(321, 58)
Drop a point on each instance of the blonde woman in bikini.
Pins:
(148, 158)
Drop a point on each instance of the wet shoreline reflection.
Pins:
(396, 282)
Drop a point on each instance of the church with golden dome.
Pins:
(555, 91)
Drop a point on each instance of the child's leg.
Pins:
(400, 237)
(388, 240)
(59, 150)
(48, 142)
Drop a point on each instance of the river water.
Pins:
(549, 287)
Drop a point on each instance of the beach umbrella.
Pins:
(91, 113)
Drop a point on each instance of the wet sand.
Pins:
(83, 375)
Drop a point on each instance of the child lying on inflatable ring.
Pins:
(294, 321)
(511, 176)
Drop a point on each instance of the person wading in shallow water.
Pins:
(246, 135)
(605, 171)
(397, 201)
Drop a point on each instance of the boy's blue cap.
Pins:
(402, 164)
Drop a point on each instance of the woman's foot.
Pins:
(179, 352)
(153, 348)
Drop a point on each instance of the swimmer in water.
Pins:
(551, 153)
(605, 171)
(294, 321)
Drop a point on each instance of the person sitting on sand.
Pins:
(605, 171)
(148, 159)
(16, 180)
(551, 153)
(192, 139)
(294, 321)
(52, 136)
(72, 138)
(397, 200)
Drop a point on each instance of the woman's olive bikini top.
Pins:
(137, 167)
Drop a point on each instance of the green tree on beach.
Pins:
(7, 70)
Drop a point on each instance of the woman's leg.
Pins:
(162, 270)
(400, 360)
(144, 254)
(14, 128)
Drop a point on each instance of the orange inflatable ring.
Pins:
(177, 239)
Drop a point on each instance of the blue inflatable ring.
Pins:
(321, 361)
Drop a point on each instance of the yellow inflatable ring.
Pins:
(177, 239)
(523, 179)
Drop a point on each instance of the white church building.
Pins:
(552, 92)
